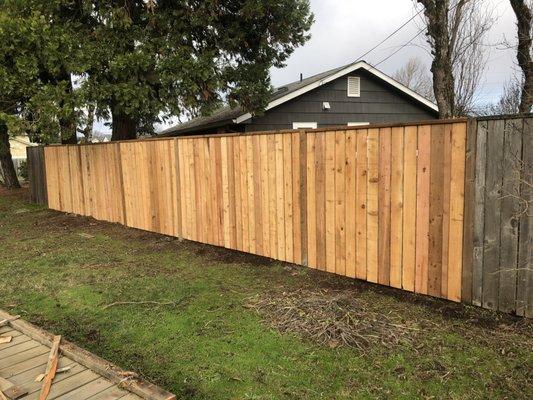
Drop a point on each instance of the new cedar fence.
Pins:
(383, 204)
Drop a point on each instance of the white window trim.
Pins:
(358, 123)
(358, 93)
(304, 125)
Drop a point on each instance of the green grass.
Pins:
(59, 271)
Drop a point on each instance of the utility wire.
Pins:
(401, 47)
(391, 35)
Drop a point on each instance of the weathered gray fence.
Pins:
(497, 261)
(37, 175)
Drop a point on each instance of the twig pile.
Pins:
(333, 318)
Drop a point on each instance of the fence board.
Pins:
(524, 300)
(361, 204)
(409, 209)
(351, 203)
(493, 192)
(384, 207)
(320, 203)
(510, 207)
(330, 201)
(422, 205)
(340, 202)
(37, 174)
(372, 205)
(397, 183)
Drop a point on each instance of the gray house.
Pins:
(355, 94)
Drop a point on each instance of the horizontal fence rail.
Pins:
(379, 204)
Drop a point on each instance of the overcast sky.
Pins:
(346, 29)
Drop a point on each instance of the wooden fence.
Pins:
(36, 174)
(381, 203)
(498, 255)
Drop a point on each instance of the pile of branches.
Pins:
(331, 317)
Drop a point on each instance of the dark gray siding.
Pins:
(379, 103)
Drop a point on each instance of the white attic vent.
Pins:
(354, 86)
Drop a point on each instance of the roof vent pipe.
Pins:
(301, 77)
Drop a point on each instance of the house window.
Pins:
(304, 125)
(354, 86)
(358, 123)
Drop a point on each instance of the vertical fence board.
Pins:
(422, 205)
(361, 204)
(303, 199)
(351, 203)
(340, 203)
(409, 208)
(287, 185)
(384, 208)
(524, 301)
(273, 196)
(311, 202)
(280, 200)
(330, 202)
(493, 201)
(457, 182)
(296, 199)
(446, 188)
(479, 213)
(258, 198)
(320, 188)
(436, 189)
(396, 227)
(372, 205)
(469, 210)
(265, 198)
(510, 209)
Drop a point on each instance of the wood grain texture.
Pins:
(422, 205)
(351, 203)
(384, 208)
(340, 202)
(396, 224)
(409, 208)
(372, 205)
(361, 204)
(311, 202)
(330, 201)
(320, 188)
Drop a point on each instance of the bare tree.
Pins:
(455, 31)
(509, 101)
(415, 75)
(524, 16)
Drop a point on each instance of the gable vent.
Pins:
(354, 86)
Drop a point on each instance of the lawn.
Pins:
(218, 327)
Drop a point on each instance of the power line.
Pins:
(391, 35)
(401, 47)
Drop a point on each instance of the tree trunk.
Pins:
(9, 174)
(124, 126)
(436, 12)
(523, 53)
(67, 123)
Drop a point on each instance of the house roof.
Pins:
(288, 92)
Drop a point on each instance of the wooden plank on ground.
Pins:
(51, 368)
(493, 202)
(396, 219)
(510, 211)
(422, 205)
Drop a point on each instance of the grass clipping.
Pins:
(333, 318)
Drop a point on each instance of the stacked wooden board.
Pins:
(85, 376)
